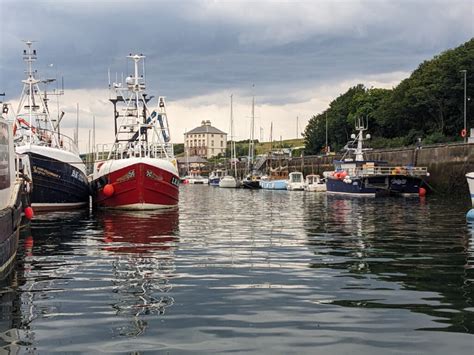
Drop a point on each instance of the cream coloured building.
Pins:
(205, 141)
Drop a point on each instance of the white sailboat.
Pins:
(229, 181)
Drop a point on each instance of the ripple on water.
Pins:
(246, 271)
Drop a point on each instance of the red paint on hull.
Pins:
(139, 185)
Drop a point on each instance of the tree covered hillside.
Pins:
(428, 105)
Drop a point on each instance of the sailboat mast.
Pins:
(232, 143)
(251, 142)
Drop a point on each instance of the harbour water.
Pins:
(246, 271)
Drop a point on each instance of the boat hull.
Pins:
(214, 181)
(273, 184)
(56, 184)
(375, 185)
(229, 182)
(137, 186)
(251, 184)
(470, 182)
(10, 219)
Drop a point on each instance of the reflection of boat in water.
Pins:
(140, 231)
(143, 243)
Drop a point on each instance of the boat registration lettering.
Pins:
(399, 181)
(75, 174)
(175, 181)
(151, 175)
(45, 172)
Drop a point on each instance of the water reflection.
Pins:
(246, 271)
(397, 255)
(143, 244)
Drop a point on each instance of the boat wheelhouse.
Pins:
(295, 181)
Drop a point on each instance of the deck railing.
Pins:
(387, 170)
(48, 138)
(133, 149)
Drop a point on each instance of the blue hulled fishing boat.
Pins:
(356, 176)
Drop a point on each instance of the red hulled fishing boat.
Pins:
(139, 170)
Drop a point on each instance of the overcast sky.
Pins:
(299, 55)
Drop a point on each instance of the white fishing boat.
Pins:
(314, 183)
(295, 181)
(229, 181)
(139, 171)
(13, 196)
(58, 172)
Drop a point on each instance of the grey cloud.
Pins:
(198, 47)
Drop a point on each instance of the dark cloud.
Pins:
(198, 47)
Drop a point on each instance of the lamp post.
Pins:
(465, 89)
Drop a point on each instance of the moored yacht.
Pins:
(314, 183)
(58, 172)
(216, 176)
(276, 180)
(295, 181)
(195, 178)
(229, 181)
(139, 170)
(359, 177)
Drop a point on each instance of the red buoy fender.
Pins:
(463, 133)
(29, 212)
(108, 190)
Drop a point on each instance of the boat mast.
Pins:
(359, 151)
(232, 142)
(30, 89)
(251, 142)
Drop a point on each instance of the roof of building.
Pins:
(205, 127)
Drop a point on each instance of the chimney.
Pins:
(203, 123)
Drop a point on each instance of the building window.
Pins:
(222, 143)
(212, 143)
(222, 136)
(212, 135)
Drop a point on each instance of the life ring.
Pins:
(463, 133)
